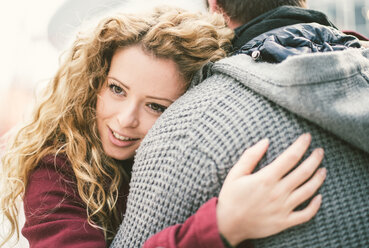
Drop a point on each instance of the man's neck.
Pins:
(233, 24)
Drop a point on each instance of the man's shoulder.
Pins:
(300, 69)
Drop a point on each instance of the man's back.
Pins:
(185, 157)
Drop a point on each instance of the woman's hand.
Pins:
(262, 204)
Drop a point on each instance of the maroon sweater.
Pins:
(56, 215)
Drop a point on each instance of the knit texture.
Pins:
(184, 159)
(331, 90)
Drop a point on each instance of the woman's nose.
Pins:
(129, 115)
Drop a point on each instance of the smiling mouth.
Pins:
(122, 138)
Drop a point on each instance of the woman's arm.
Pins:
(264, 201)
(253, 205)
(55, 215)
(199, 230)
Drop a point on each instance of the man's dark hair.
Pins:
(244, 11)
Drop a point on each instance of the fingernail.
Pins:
(264, 141)
(323, 172)
(320, 151)
(318, 198)
(306, 136)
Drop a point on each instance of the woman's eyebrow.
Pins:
(160, 98)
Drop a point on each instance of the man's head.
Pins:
(239, 12)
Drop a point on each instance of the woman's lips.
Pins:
(120, 140)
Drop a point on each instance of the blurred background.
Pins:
(36, 32)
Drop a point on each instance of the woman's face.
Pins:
(138, 88)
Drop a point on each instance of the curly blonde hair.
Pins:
(64, 121)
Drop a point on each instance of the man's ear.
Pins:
(213, 6)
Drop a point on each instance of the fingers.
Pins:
(302, 216)
(303, 171)
(290, 157)
(249, 159)
(308, 189)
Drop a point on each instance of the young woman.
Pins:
(71, 163)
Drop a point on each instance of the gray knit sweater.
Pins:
(186, 155)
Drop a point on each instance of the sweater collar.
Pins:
(276, 18)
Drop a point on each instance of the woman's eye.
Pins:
(157, 107)
(116, 89)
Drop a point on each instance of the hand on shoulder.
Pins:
(262, 204)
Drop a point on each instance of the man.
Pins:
(183, 161)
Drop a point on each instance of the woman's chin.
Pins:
(120, 154)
